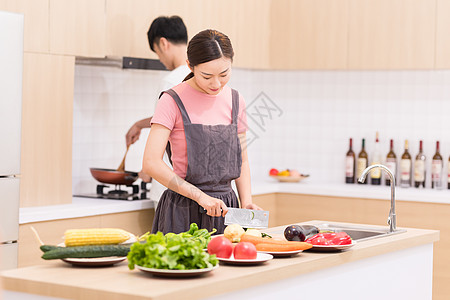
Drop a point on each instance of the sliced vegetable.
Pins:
(292, 246)
(86, 251)
(268, 241)
(254, 232)
(330, 238)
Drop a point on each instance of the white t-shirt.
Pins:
(172, 79)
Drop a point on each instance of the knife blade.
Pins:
(247, 218)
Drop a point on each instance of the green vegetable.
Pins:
(45, 248)
(181, 251)
(265, 235)
(86, 251)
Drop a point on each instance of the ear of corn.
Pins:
(95, 236)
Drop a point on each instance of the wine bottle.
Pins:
(436, 169)
(350, 165)
(362, 162)
(375, 175)
(448, 174)
(391, 162)
(405, 168)
(419, 168)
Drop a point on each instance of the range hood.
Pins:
(122, 62)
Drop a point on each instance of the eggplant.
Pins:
(300, 233)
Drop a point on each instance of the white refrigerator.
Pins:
(11, 66)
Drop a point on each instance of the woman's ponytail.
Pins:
(189, 76)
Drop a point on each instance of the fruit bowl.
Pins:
(289, 178)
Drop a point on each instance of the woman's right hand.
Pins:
(214, 207)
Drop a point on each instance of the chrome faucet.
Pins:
(392, 219)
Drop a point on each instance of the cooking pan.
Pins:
(113, 176)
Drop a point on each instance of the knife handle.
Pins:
(203, 211)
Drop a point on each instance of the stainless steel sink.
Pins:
(359, 233)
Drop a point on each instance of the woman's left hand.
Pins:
(253, 206)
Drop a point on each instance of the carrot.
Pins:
(254, 239)
(283, 247)
(269, 241)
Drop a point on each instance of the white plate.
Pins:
(260, 258)
(331, 248)
(282, 253)
(176, 273)
(95, 262)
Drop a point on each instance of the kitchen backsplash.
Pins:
(297, 119)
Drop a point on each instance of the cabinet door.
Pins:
(391, 34)
(443, 35)
(36, 30)
(308, 34)
(126, 27)
(245, 22)
(77, 27)
(47, 109)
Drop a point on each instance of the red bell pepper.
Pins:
(330, 239)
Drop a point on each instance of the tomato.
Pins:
(273, 172)
(245, 250)
(220, 246)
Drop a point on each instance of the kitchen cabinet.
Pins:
(308, 34)
(391, 34)
(292, 208)
(359, 267)
(36, 27)
(244, 22)
(46, 153)
(442, 34)
(77, 27)
(51, 232)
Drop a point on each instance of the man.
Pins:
(167, 37)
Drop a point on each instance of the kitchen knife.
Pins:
(247, 218)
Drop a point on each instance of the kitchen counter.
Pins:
(371, 267)
(82, 207)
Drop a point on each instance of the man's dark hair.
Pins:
(172, 28)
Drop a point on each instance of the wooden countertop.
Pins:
(58, 279)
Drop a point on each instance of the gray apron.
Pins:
(214, 160)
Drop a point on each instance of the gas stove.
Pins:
(120, 192)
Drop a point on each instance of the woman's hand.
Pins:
(214, 207)
(253, 206)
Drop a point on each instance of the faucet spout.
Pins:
(392, 219)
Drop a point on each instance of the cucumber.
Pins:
(45, 248)
(87, 251)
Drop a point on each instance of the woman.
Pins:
(204, 121)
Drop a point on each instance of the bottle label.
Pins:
(448, 172)
(405, 169)
(349, 166)
(419, 171)
(436, 170)
(376, 173)
(391, 164)
(360, 166)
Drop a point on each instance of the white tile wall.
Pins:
(313, 113)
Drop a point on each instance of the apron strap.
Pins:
(176, 98)
(235, 107)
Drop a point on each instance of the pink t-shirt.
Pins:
(202, 109)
